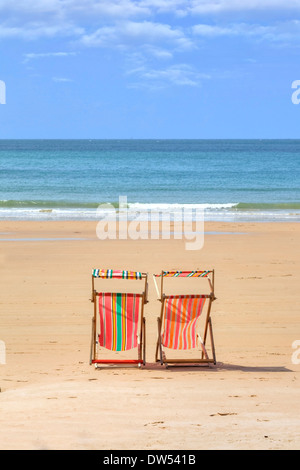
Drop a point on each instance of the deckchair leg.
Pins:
(144, 341)
(158, 344)
(212, 341)
(92, 340)
(203, 349)
(140, 352)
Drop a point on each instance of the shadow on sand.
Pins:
(219, 367)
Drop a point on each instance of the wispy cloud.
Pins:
(83, 13)
(41, 55)
(108, 23)
(158, 52)
(221, 6)
(162, 33)
(242, 29)
(62, 79)
(281, 31)
(36, 30)
(137, 33)
(179, 75)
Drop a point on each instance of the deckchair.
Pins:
(118, 322)
(179, 321)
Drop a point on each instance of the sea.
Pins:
(226, 180)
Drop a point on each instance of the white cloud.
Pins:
(33, 55)
(69, 9)
(184, 7)
(109, 22)
(284, 31)
(126, 8)
(162, 6)
(31, 19)
(148, 32)
(158, 52)
(61, 79)
(36, 30)
(241, 29)
(153, 30)
(180, 75)
(30, 6)
(219, 6)
(89, 12)
(137, 33)
(106, 8)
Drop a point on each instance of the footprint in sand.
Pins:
(252, 277)
(155, 423)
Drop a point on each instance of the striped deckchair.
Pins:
(118, 323)
(178, 324)
(114, 274)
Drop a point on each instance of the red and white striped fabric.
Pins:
(181, 314)
(183, 274)
(119, 318)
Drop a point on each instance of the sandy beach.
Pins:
(51, 398)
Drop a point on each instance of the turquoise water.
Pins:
(229, 179)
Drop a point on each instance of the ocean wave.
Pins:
(179, 206)
(54, 210)
(142, 206)
(44, 204)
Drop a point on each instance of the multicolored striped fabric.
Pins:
(181, 313)
(184, 273)
(116, 274)
(119, 318)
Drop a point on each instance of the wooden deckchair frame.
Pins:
(141, 350)
(160, 355)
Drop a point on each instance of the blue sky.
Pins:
(149, 68)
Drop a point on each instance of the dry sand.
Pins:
(51, 398)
